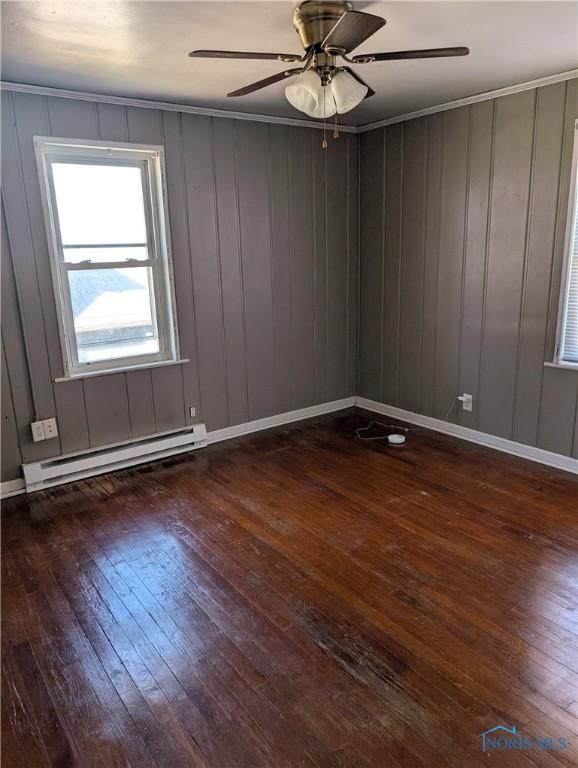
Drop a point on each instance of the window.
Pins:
(567, 341)
(108, 239)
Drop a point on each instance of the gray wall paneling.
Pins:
(255, 227)
(16, 360)
(411, 281)
(352, 264)
(229, 234)
(243, 213)
(182, 270)
(372, 207)
(26, 284)
(281, 265)
(301, 259)
(481, 137)
(321, 201)
(542, 209)
(431, 259)
(496, 189)
(509, 194)
(333, 312)
(391, 258)
(145, 127)
(205, 272)
(456, 126)
(461, 234)
(10, 450)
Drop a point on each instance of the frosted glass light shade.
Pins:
(348, 93)
(308, 95)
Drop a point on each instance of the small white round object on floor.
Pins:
(396, 439)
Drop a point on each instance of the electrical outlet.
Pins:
(37, 428)
(50, 429)
(466, 401)
(192, 411)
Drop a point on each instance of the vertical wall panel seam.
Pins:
(240, 258)
(291, 254)
(437, 261)
(185, 193)
(399, 263)
(553, 259)
(529, 208)
(173, 308)
(98, 129)
(272, 305)
(314, 195)
(326, 272)
(383, 255)
(27, 355)
(272, 259)
(466, 226)
(220, 266)
(424, 220)
(347, 261)
(41, 308)
(437, 290)
(11, 394)
(486, 256)
(358, 291)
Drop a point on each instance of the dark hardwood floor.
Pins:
(294, 598)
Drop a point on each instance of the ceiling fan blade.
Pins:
(245, 55)
(425, 53)
(265, 82)
(352, 29)
(370, 91)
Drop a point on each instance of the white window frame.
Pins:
(571, 223)
(150, 158)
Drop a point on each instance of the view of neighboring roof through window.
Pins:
(110, 255)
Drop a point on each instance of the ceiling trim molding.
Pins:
(42, 90)
(484, 96)
(169, 106)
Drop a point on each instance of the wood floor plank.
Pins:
(298, 597)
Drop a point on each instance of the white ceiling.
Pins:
(139, 49)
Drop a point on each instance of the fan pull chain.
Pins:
(324, 143)
(335, 130)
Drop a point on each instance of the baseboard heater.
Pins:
(76, 466)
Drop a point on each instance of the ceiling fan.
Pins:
(329, 30)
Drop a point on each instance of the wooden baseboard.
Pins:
(550, 459)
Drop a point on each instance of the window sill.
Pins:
(124, 369)
(565, 366)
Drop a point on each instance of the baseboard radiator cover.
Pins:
(77, 466)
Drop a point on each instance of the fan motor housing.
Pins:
(314, 20)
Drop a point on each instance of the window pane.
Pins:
(74, 255)
(113, 313)
(99, 203)
(569, 352)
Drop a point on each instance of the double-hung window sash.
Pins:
(110, 260)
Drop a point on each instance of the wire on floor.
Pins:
(394, 427)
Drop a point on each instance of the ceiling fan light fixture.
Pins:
(347, 92)
(308, 95)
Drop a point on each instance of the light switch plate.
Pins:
(37, 428)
